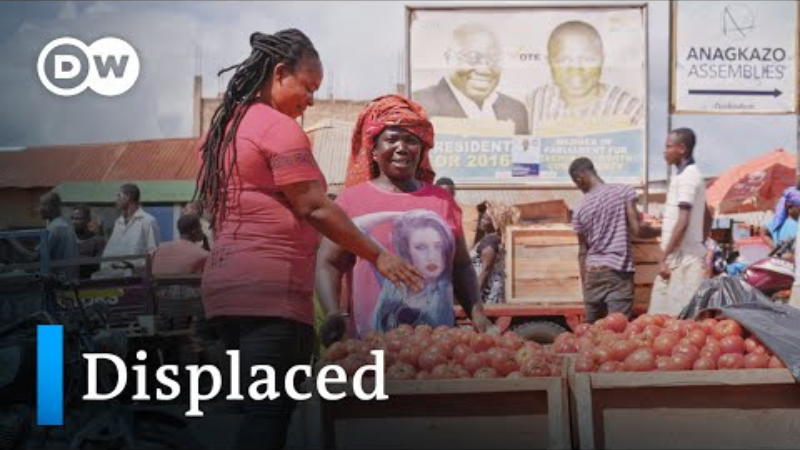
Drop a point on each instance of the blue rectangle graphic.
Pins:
(50, 375)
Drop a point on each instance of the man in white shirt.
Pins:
(682, 233)
(135, 232)
(469, 89)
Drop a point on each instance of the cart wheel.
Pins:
(541, 331)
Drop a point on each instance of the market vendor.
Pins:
(783, 226)
(389, 193)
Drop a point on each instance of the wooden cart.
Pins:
(530, 413)
(698, 410)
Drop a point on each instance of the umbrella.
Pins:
(755, 185)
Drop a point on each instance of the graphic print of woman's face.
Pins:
(427, 248)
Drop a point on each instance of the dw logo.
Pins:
(67, 66)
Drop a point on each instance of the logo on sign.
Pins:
(737, 21)
(67, 66)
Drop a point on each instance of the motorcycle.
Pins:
(773, 275)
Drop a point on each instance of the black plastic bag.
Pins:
(719, 292)
(776, 325)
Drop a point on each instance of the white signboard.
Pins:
(735, 57)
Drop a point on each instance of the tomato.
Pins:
(401, 371)
(423, 329)
(582, 328)
(485, 372)
(460, 352)
(682, 361)
(641, 360)
(726, 328)
(404, 330)
(481, 342)
(584, 364)
(776, 363)
(705, 363)
(732, 344)
(621, 349)
(352, 363)
(536, 367)
(441, 329)
(663, 344)
(697, 337)
(504, 363)
(601, 354)
(444, 347)
(756, 361)
(711, 350)
(730, 361)
(431, 358)
(511, 341)
(473, 362)
(424, 375)
(420, 340)
(651, 331)
(394, 344)
(616, 322)
(609, 367)
(708, 325)
(662, 363)
(634, 328)
(527, 351)
(515, 375)
(336, 351)
(460, 372)
(600, 325)
(753, 345)
(690, 351)
(409, 355)
(568, 346)
(442, 372)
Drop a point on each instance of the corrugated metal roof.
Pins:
(331, 142)
(163, 159)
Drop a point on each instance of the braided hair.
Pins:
(287, 46)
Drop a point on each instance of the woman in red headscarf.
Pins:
(389, 195)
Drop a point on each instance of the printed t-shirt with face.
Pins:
(263, 259)
(423, 228)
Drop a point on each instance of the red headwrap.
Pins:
(388, 111)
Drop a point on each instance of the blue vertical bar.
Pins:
(49, 375)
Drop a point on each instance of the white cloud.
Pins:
(68, 11)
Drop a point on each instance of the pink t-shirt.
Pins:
(263, 259)
(422, 227)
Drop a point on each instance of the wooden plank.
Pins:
(443, 387)
(547, 268)
(558, 415)
(555, 239)
(581, 386)
(691, 378)
(691, 428)
(542, 253)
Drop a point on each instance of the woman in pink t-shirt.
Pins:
(391, 198)
(267, 198)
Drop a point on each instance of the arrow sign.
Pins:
(774, 93)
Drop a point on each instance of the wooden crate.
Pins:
(527, 413)
(683, 410)
(542, 266)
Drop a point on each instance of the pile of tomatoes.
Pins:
(662, 343)
(420, 353)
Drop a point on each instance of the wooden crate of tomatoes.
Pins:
(660, 382)
(449, 388)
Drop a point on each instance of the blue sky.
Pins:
(360, 43)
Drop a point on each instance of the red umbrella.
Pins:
(755, 185)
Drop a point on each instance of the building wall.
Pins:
(20, 208)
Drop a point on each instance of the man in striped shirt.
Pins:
(576, 56)
(604, 222)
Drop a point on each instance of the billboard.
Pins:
(516, 93)
(734, 57)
